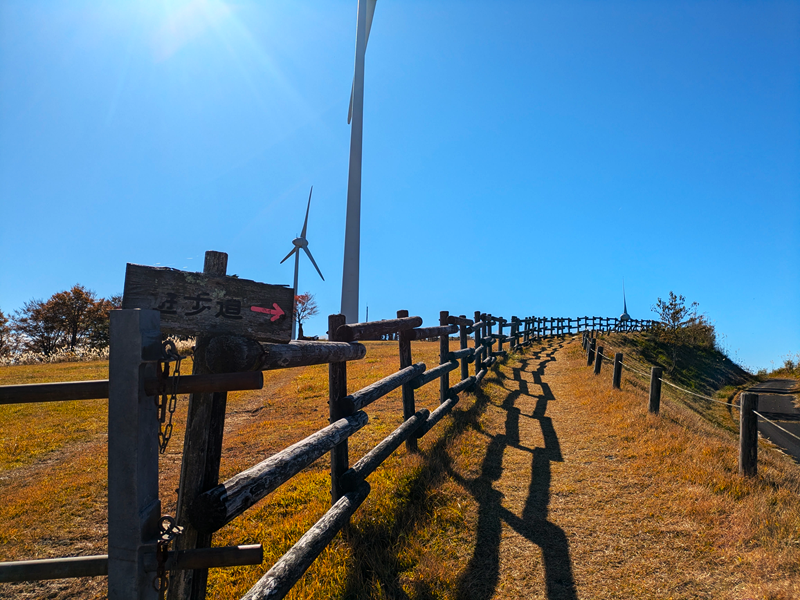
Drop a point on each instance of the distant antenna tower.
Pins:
(301, 242)
(624, 316)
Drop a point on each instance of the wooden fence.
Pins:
(748, 403)
(139, 561)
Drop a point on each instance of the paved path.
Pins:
(780, 402)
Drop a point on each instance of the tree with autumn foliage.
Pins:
(5, 335)
(305, 307)
(72, 318)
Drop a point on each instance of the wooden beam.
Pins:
(366, 396)
(373, 459)
(425, 333)
(220, 505)
(277, 582)
(374, 330)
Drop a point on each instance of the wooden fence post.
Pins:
(478, 334)
(655, 390)
(462, 338)
(617, 380)
(202, 445)
(444, 352)
(500, 322)
(409, 405)
(598, 360)
(590, 354)
(337, 389)
(134, 510)
(748, 435)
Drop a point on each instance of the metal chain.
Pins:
(168, 532)
(167, 403)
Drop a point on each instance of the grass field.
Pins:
(646, 507)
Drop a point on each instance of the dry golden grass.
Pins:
(545, 484)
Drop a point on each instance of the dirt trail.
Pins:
(559, 516)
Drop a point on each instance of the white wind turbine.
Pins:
(355, 116)
(301, 243)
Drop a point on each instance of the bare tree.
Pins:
(305, 307)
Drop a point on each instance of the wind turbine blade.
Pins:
(624, 300)
(305, 223)
(370, 13)
(288, 255)
(313, 262)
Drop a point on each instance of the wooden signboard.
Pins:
(194, 303)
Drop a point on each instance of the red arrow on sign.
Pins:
(276, 312)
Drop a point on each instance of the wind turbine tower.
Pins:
(301, 243)
(352, 236)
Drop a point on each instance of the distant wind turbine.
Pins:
(355, 116)
(301, 243)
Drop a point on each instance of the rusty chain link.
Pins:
(167, 403)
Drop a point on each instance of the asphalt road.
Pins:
(779, 403)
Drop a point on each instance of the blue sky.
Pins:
(519, 157)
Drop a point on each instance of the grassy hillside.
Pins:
(633, 506)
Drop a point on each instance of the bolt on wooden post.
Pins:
(748, 435)
(654, 404)
(616, 382)
(404, 347)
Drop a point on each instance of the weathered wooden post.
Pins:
(205, 422)
(444, 357)
(134, 510)
(590, 354)
(655, 390)
(616, 382)
(462, 338)
(500, 322)
(409, 405)
(337, 389)
(598, 360)
(477, 331)
(748, 435)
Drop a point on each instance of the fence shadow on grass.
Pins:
(480, 579)
(375, 547)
